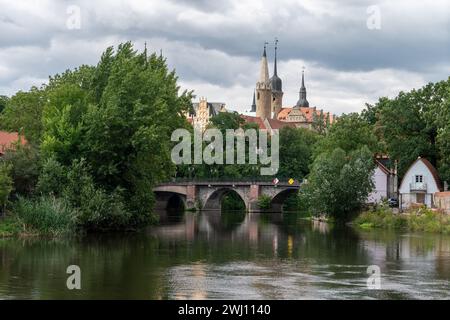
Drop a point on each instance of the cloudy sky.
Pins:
(354, 51)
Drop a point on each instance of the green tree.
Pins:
(23, 113)
(6, 184)
(24, 161)
(3, 102)
(414, 124)
(227, 120)
(296, 149)
(350, 132)
(339, 183)
(119, 118)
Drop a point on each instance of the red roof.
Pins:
(277, 124)
(308, 113)
(7, 140)
(257, 120)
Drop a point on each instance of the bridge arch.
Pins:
(166, 200)
(214, 198)
(279, 199)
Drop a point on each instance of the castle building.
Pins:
(267, 106)
(299, 115)
(202, 111)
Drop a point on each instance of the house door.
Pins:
(420, 197)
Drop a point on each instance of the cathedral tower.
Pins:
(263, 90)
(302, 102)
(277, 88)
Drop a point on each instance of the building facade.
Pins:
(384, 180)
(202, 111)
(419, 185)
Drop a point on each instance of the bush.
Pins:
(97, 209)
(6, 184)
(264, 202)
(52, 177)
(419, 219)
(24, 161)
(45, 215)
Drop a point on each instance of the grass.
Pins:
(419, 219)
(44, 216)
(9, 226)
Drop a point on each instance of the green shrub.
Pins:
(264, 202)
(45, 215)
(52, 177)
(97, 209)
(24, 161)
(6, 184)
(420, 219)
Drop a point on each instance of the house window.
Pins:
(419, 178)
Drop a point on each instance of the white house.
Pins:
(419, 184)
(385, 182)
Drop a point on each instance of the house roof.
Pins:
(308, 112)
(7, 140)
(382, 167)
(430, 167)
(257, 120)
(277, 124)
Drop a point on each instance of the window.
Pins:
(419, 179)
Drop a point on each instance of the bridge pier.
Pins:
(191, 199)
(252, 204)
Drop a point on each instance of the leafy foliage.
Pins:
(296, 152)
(339, 182)
(25, 167)
(416, 124)
(6, 184)
(23, 113)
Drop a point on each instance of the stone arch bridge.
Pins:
(207, 195)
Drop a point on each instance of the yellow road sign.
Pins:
(291, 181)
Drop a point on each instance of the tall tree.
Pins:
(23, 113)
(119, 118)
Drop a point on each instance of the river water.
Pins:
(230, 256)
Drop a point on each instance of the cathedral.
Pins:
(267, 109)
(268, 100)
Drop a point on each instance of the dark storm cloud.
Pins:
(220, 42)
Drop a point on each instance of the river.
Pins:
(230, 256)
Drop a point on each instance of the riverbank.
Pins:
(419, 219)
(9, 227)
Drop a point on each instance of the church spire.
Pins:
(264, 71)
(302, 101)
(253, 108)
(275, 81)
(263, 89)
(275, 63)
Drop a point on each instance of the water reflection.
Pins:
(229, 255)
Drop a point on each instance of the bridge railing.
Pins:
(268, 179)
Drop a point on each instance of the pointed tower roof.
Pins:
(302, 102)
(264, 70)
(275, 80)
(253, 108)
